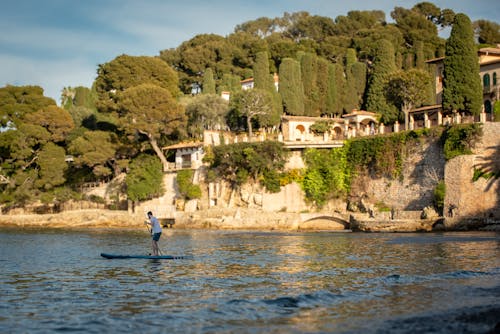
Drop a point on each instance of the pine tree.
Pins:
(291, 89)
(462, 89)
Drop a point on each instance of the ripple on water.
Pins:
(247, 282)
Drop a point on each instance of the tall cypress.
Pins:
(261, 71)
(265, 81)
(322, 84)
(383, 65)
(332, 98)
(462, 89)
(208, 82)
(291, 89)
(308, 67)
(351, 95)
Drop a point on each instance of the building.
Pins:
(187, 155)
(489, 70)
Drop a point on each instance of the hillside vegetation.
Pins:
(137, 105)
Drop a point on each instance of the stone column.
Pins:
(412, 123)
(396, 126)
(381, 128)
(440, 118)
(427, 123)
(482, 117)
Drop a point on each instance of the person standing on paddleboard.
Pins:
(155, 232)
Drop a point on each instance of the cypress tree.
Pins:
(291, 89)
(419, 55)
(208, 82)
(462, 89)
(261, 71)
(309, 82)
(340, 84)
(359, 70)
(383, 65)
(322, 85)
(351, 95)
(265, 81)
(332, 105)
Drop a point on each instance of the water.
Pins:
(249, 282)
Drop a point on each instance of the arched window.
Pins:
(299, 132)
(494, 78)
(486, 81)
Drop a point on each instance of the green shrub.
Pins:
(236, 163)
(145, 179)
(439, 193)
(459, 139)
(496, 111)
(187, 189)
(271, 180)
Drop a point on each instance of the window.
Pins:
(486, 81)
(494, 78)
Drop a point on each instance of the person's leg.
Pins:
(155, 248)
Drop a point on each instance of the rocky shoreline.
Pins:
(244, 219)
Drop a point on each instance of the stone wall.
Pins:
(414, 190)
(481, 198)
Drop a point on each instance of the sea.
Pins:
(55, 281)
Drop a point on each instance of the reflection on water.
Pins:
(249, 282)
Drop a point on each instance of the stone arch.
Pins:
(337, 132)
(324, 223)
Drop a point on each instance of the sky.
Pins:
(60, 43)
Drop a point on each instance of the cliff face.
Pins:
(423, 168)
(466, 197)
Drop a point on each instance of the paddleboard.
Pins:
(153, 257)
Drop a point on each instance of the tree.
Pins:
(487, 32)
(462, 90)
(55, 120)
(151, 110)
(291, 89)
(309, 71)
(264, 80)
(332, 97)
(408, 89)
(95, 150)
(383, 66)
(145, 178)
(208, 82)
(235, 163)
(322, 84)
(253, 104)
(125, 72)
(51, 166)
(18, 101)
(206, 112)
